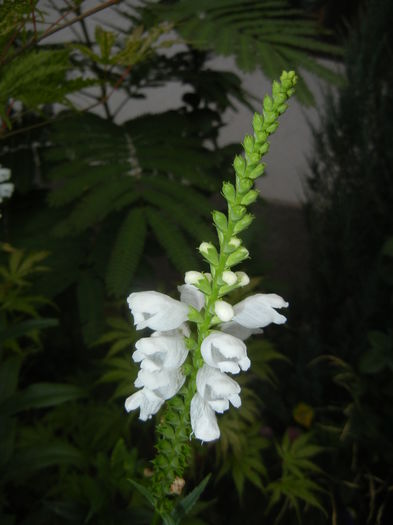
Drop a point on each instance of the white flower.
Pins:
(5, 174)
(259, 311)
(148, 402)
(190, 295)
(223, 310)
(157, 311)
(217, 389)
(164, 383)
(160, 352)
(203, 420)
(225, 352)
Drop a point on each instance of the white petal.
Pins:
(258, 310)
(203, 420)
(223, 310)
(183, 329)
(239, 331)
(148, 402)
(160, 352)
(157, 311)
(190, 295)
(216, 388)
(192, 277)
(164, 383)
(229, 278)
(226, 352)
(5, 174)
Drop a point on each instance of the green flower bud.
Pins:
(257, 171)
(243, 223)
(239, 164)
(243, 185)
(264, 148)
(267, 103)
(282, 108)
(250, 197)
(261, 137)
(237, 212)
(209, 252)
(248, 144)
(257, 122)
(220, 220)
(276, 88)
(254, 158)
(234, 242)
(272, 128)
(229, 192)
(237, 257)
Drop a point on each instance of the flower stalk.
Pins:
(215, 340)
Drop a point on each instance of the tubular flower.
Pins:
(225, 352)
(203, 420)
(157, 311)
(259, 311)
(160, 352)
(148, 402)
(254, 313)
(217, 389)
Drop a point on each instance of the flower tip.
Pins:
(192, 277)
(224, 311)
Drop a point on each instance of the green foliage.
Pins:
(295, 485)
(269, 35)
(38, 77)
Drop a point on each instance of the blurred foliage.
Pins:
(349, 313)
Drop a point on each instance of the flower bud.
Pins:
(257, 122)
(193, 277)
(229, 278)
(248, 144)
(209, 252)
(250, 197)
(257, 171)
(237, 212)
(243, 223)
(223, 310)
(220, 220)
(267, 103)
(264, 148)
(238, 256)
(245, 184)
(254, 158)
(229, 192)
(234, 242)
(240, 165)
(242, 278)
(272, 128)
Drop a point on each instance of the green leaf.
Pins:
(42, 395)
(126, 253)
(26, 327)
(44, 455)
(144, 492)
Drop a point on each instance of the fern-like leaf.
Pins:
(126, 253)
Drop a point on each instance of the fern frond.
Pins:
(126, 253)
(251, 30)
(172, 240)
